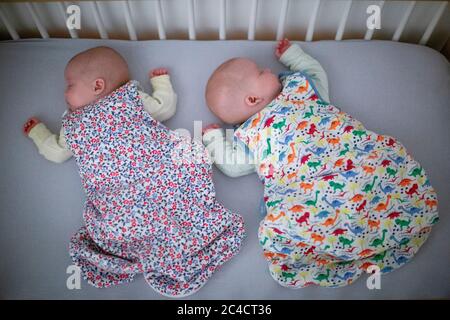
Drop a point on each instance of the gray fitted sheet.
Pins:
(393, 88)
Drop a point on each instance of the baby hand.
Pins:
(158, 72)
(30, 124)
(282, 46)
(210, 127)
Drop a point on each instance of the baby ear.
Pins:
(99, 86)
(252, 100)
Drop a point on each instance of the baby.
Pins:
(340, 199)
(146, 212)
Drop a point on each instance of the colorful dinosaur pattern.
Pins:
(339, 197)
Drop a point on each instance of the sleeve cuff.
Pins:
(213, 135)
(39, 133)
(162, 80)
(291, 53)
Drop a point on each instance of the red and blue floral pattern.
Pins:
(146, 211)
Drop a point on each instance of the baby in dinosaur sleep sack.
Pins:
(339, 198)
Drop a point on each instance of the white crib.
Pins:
(423, 22)
(398, 87)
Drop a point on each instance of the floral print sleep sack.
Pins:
(150, 208)
(339, 197)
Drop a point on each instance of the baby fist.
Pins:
(30, 124)
(282, 46)
(158, 72)
(210, 127)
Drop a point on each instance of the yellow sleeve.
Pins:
(229, 157)
(298, 60)
(162, 104)
(51, 146)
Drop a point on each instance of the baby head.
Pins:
(93, 74)
(238, 89)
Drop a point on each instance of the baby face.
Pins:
(79, 89)
(261, 83)
(239, 88)
(92, 74)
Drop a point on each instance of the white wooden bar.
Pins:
(252, 21)
(62, 8)
(405, 18)
(12, 32)
(36, 20)
(98, 20)
(160, 20)
(282, 19)
(312, 21)
(128, 20)
(430, 28)
(369, 32)
(401, 26)
(343, 22)
(191, 20)
(222, 24)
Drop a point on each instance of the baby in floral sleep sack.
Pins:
(339, 198)
(146, 212)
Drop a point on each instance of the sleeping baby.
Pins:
(339, 199)
(146, 211)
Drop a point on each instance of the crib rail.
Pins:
(222, 7)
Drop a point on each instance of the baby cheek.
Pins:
(68, 95)
(73, 99)
(273, 83)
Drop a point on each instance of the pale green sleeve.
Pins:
(230, 158)
(162, 104)
(298, 60)
(51, 146)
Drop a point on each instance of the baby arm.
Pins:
(292, 56)
(229, 158)
(53, 147)
(163, 103)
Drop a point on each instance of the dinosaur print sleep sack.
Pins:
(149, 208)
(339, 197)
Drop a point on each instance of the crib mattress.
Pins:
(397, 89)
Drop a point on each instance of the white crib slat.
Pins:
(159, 20)
(12, 32)
(252, 22)
(401, 26)
(282, 19)
(222, 26)
(369, 32)
(430, 28)
(343, 22)
(128, 20)
(191, 19)
(98, 20)
(62, 8)
(312, 21)
(37, 21)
